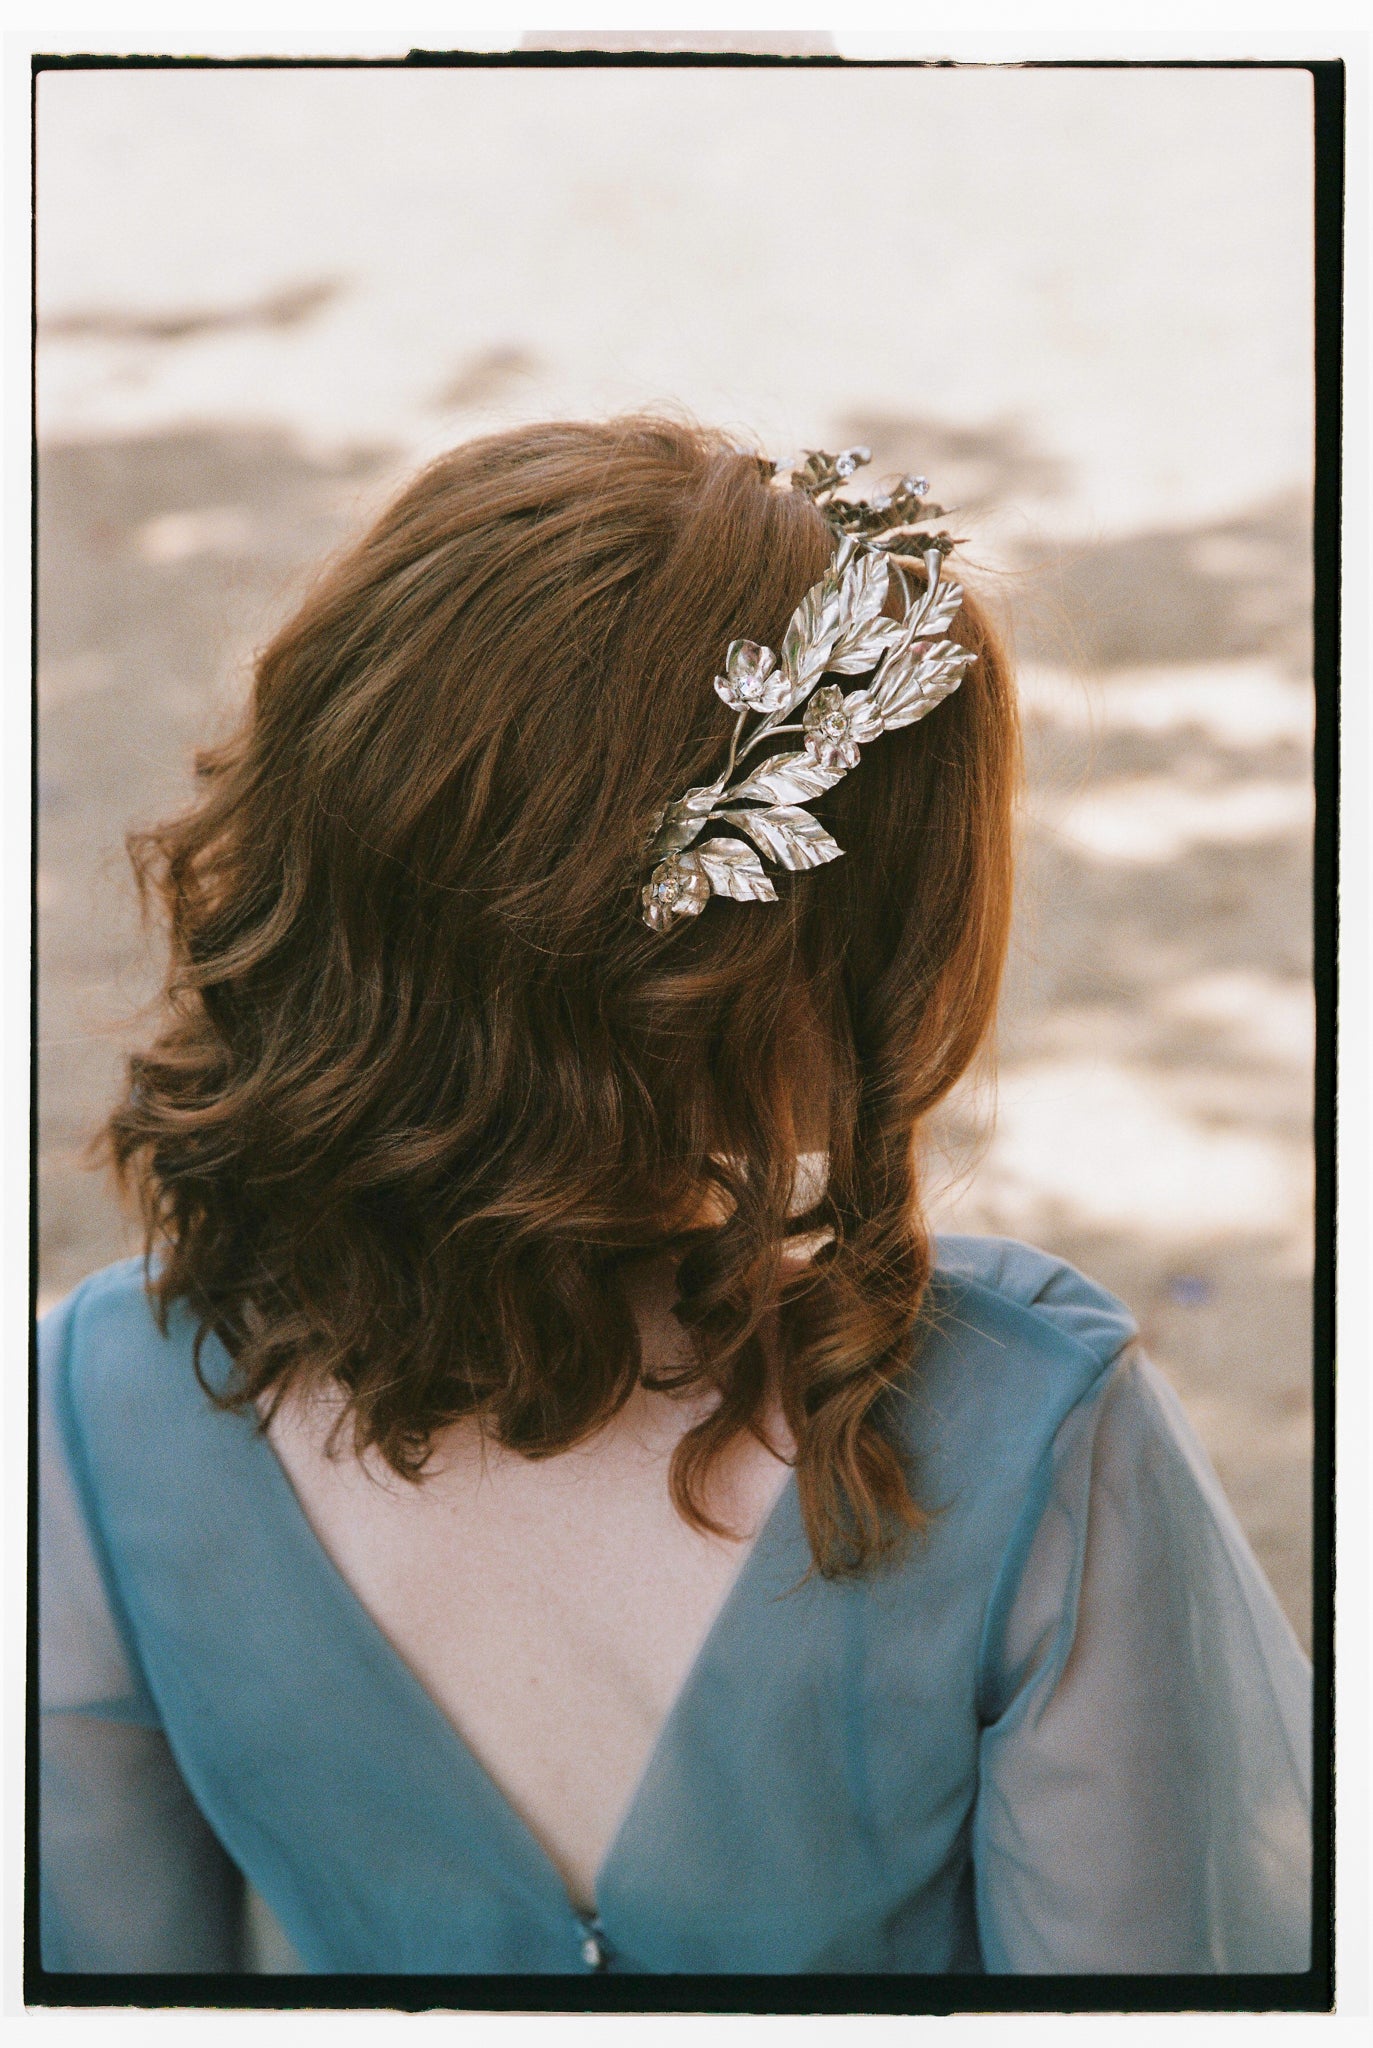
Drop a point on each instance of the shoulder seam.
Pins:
(1011, 1563)
(1104, 1355)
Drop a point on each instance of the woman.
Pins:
(529, 1515)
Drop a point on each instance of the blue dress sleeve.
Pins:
(1145, 1786)
(131, 1876)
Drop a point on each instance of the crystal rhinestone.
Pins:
(835, 724)
(920, 485)
(593, 1952)
(845, 466)
(667, 889)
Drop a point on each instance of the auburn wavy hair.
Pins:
(425, 1092)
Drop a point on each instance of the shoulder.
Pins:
(119, 1291)
(87, 1662)
(1013, 1353)
(103, 1352)
(108, 1311)
(1010, 1341)
(999, 1283)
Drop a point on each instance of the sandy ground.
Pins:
(1079, 302)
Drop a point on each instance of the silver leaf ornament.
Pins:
(791, 837)
(863, 593)
(733, 869)
(787, 779)
(914, 679)
(841, 628)
(866, 648)
(942, 610)
(685, 820)
(809, 640)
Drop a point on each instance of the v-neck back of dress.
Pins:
(808, 1803)
(553, 1611)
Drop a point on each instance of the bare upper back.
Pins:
(554, 1608)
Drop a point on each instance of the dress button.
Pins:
(593, 1951)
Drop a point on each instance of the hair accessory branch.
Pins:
(839, 628)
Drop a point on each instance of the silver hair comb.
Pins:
(839, 628)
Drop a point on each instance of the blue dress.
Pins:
(1069, 1732)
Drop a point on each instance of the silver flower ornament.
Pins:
(837, 725)
(752, 680)
(682, 885)
(678, 887)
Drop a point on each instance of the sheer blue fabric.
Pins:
(1070, 1731)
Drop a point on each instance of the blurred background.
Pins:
(1078, 300)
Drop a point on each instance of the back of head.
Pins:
(427, 1091)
